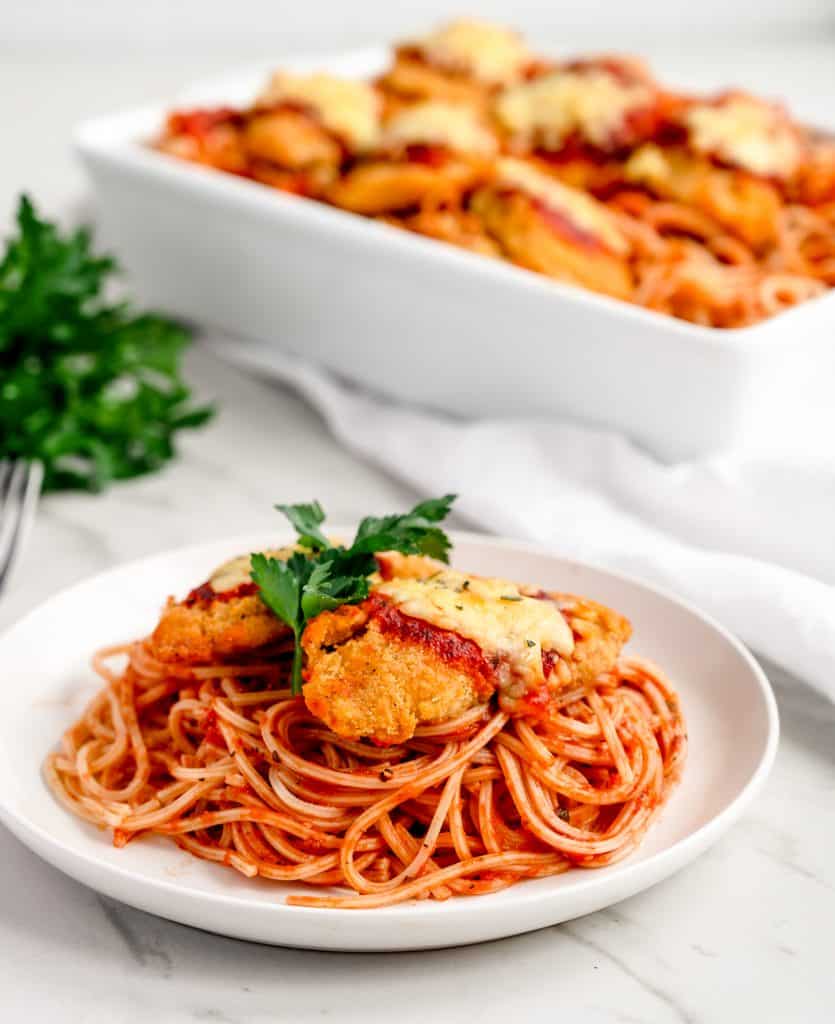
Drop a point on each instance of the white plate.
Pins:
(387, 309)
(726, 698)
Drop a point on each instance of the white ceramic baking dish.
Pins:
(425, 322)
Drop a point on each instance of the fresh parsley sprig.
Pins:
(324, 576)
(89, 387)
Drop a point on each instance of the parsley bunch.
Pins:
(322, 577)
(90, 388)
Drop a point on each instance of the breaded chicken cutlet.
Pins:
(427, 645)
(221, 618)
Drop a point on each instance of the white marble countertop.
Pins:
(745, 934)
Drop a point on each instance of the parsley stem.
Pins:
(296, 676)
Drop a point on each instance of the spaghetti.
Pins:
(226, 762)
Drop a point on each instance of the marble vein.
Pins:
(144, 952)
(661, 994)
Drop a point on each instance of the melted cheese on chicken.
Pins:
(442, 124)
(351, 110)
(591, 102)
(488, 52)
(747, 133)
(494, 613)
(237, 571)
(581, 209)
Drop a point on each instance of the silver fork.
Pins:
(20, 485)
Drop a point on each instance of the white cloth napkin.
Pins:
(748, 538)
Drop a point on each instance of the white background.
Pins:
(282, 24)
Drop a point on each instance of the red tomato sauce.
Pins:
(206, 593)
(448, 646)
(200, 122)
(211, 731)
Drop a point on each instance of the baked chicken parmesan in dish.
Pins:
(716, 209)
(368, 720)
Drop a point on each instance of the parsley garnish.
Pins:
(323, 576)
(90, 388)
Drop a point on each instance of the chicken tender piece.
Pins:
(534, 241)
(378, 187)
(222, 618)
(431, 643)
(745, 205)
(431, 155)
(556, 230)
(413, 79)
(291, 139)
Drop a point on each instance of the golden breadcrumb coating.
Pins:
(366, 677)
(214, 627)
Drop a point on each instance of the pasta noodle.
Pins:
(225, 762)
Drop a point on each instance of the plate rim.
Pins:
(659, 865)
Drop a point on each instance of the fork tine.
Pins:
(9, 475)
(20, 486)
(6, 468)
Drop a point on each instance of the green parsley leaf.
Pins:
(306, 520)
(280, 586)
(325, 591)
(324, 577)
(412, 533)
(88, 387)
(435, 510)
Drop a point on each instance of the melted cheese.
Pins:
(351, 110)
(648, 166)
(490, 53)
(586, 213)
(493, 613)
(591, 102)
(445, 124)
(747, 133)
(237, 571)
